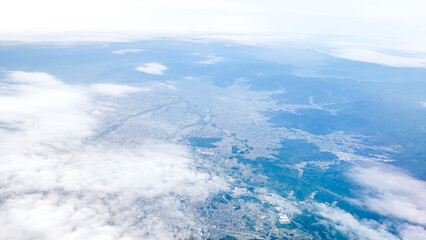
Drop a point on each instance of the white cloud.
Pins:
(394, 193)
(114, 89)
(124, 51)
(211, 59)
(55, 182)
(363, 55)
(152, 68)
(44, 111)
(410, 232)
(347, 224)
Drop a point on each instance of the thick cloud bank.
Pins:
(54, 182)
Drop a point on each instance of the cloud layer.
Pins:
(56, 183)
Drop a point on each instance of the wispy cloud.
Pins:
(211, 59)
(131, 50)
(152, 68)
(114, 89)
(57, 183)
(347, 224)
(392, 192)
(369, 56)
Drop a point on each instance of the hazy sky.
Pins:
(367, 18)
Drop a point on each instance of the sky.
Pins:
(360, 30)
(366, 18)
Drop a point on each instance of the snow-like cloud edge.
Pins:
(152, 68)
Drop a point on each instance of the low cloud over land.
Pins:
(57, 183)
